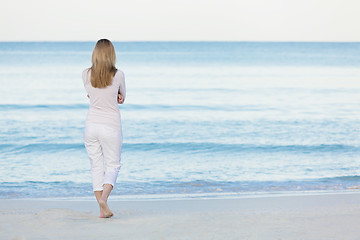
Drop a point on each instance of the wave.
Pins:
(187, 147)
(204, 147)
(40, 147)
(189, 189)
(354, 178)
(133, 107)
(5, 107)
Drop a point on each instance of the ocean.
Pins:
(201, 119)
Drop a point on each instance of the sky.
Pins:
(180, 20)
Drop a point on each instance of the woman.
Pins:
(105, 86)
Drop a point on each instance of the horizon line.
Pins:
(177, 41)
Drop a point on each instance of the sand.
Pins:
(322, 216)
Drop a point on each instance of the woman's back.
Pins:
(103, 101)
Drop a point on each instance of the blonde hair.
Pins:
(103, 61)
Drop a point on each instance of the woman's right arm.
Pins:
(122, 89)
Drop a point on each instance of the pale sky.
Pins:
(180, 20)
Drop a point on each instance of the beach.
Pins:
(222, 140)
(309, 216)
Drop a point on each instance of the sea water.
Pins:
(200, 118)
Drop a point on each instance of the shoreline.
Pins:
(322, 216)
(195, 196)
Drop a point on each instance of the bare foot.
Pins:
(102, 215)
(104, 208)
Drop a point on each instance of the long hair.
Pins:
(103, 61)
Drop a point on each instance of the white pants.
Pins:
(103, 145)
